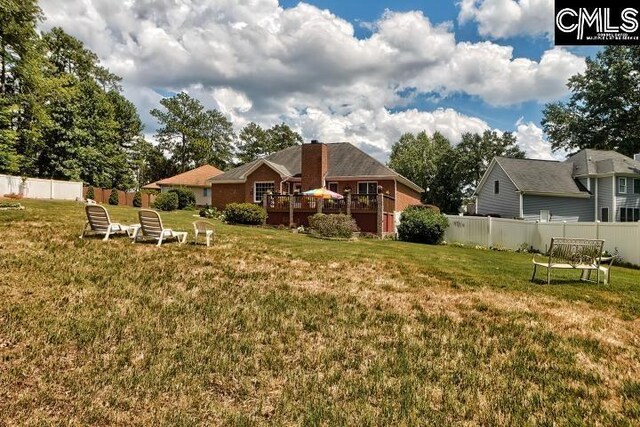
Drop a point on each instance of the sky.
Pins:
(359, 71)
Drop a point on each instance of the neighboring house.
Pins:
(589, 185)
(196, 180)
(337, 166)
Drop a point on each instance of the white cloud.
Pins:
(257, 61)
(530, 138)
(508, 18)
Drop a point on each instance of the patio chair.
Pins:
(98, 222)
(205, 228)
(151, 228)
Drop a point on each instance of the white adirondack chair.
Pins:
(204, 228)
(151, 227)
(98, 222)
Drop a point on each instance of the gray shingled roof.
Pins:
(344, 159)
(591, 162)
(541, 176)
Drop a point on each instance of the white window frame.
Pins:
(329, 184)
(545, 215)
(368, 182)
(287, 185)
(626, 182)
(255, 189)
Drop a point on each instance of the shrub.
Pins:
(186, 197)
(91, 193)
(166, 201)
(244, 213)
(137, 200)
(422, 225)
(332, 225)
(113, 197)
(210, 213)
(429, 208)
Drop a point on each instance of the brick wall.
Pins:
(223, 194)
(406, 197)
(315, 163)
(263, 174)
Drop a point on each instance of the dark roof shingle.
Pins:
(541, 176)
(345, 160)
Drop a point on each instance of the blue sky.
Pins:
(358, 71)
(359, 11)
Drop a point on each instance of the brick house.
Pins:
(340, 167)
(196, 180)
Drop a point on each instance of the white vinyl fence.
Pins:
(515, 234)
(36, 188)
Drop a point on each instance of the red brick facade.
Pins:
(315, 163)
(406, 197)
(313, 170)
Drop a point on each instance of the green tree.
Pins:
(417, 156)
(603, 111)
(18, 75)
(475, 152)
(192, 135)
(281, 136)
(255, 142)
(252, 142)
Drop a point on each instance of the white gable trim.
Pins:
(492, 165)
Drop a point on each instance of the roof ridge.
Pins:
(534, 160)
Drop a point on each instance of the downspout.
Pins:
(595, 218)
(521, 205)
(613, 202)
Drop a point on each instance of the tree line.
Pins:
(63, 116)
(449, 174)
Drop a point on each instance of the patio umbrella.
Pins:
(323, 193)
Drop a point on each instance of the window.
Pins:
(297, 187)
(604, 215)
(286, 187)
(545, 216)
(368, 187)
(333, 186)
(622, 185)
(205, 192)
(259, 188)
(636, 186)
(496, 187)
(629, 214)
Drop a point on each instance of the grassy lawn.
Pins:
(270, 327)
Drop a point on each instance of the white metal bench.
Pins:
(576, 254)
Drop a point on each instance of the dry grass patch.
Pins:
(267, 327)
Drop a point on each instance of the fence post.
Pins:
(490, 234)
(349, 203)
(51, 188)
(380, 215)
(291, 201)
(564, 228)
(597, 229)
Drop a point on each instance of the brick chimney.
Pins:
(315, 163)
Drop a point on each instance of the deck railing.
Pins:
(356, 202)
(382, 206)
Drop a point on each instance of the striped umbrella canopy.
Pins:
(323, 193)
